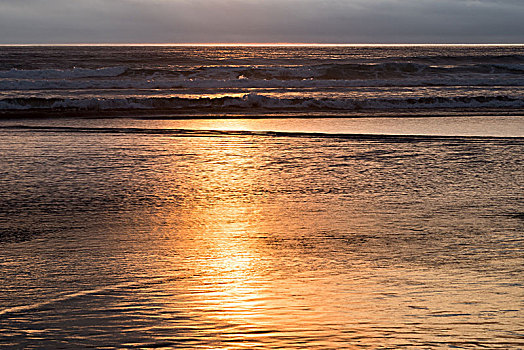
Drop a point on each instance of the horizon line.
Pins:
(259, 44)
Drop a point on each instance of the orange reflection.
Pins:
(230, 251)
(249, 271)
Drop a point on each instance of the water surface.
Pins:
(115, 236)
(340, 80)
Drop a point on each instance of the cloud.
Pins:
(348, 21)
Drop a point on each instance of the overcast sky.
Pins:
(308, 21)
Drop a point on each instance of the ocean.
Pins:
(258, 197)
(260, 80)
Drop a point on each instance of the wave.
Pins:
(73, 73)
(338, 71)
(257, 101)
(392, 70)
(395, 74)
(448, 59)
(107, 84)
(332, 71)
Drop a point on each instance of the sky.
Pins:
(261, 21)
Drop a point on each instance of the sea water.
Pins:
(260, 80)
(360, 233)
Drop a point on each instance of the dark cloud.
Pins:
(328, 21)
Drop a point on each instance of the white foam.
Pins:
(255, 100)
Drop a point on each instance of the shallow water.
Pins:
(122, 238)
(448, 126)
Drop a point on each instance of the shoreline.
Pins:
(170, 114)
(471, 127)
(399, 138)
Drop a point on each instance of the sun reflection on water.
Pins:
(250, 273)
(230, 249)
(265, 242)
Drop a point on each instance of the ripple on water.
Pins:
(260, 241)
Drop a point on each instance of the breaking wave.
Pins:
(330, 71)
(254, 100)
(401, 74)
(287, 79)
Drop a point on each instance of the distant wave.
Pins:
(159, 83)
(334, 71)
(254, 100)
(396, 74)
(260, 79)
(447, 59)
(262, 84)
(73, 73)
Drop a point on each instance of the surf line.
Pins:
(266, 133)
